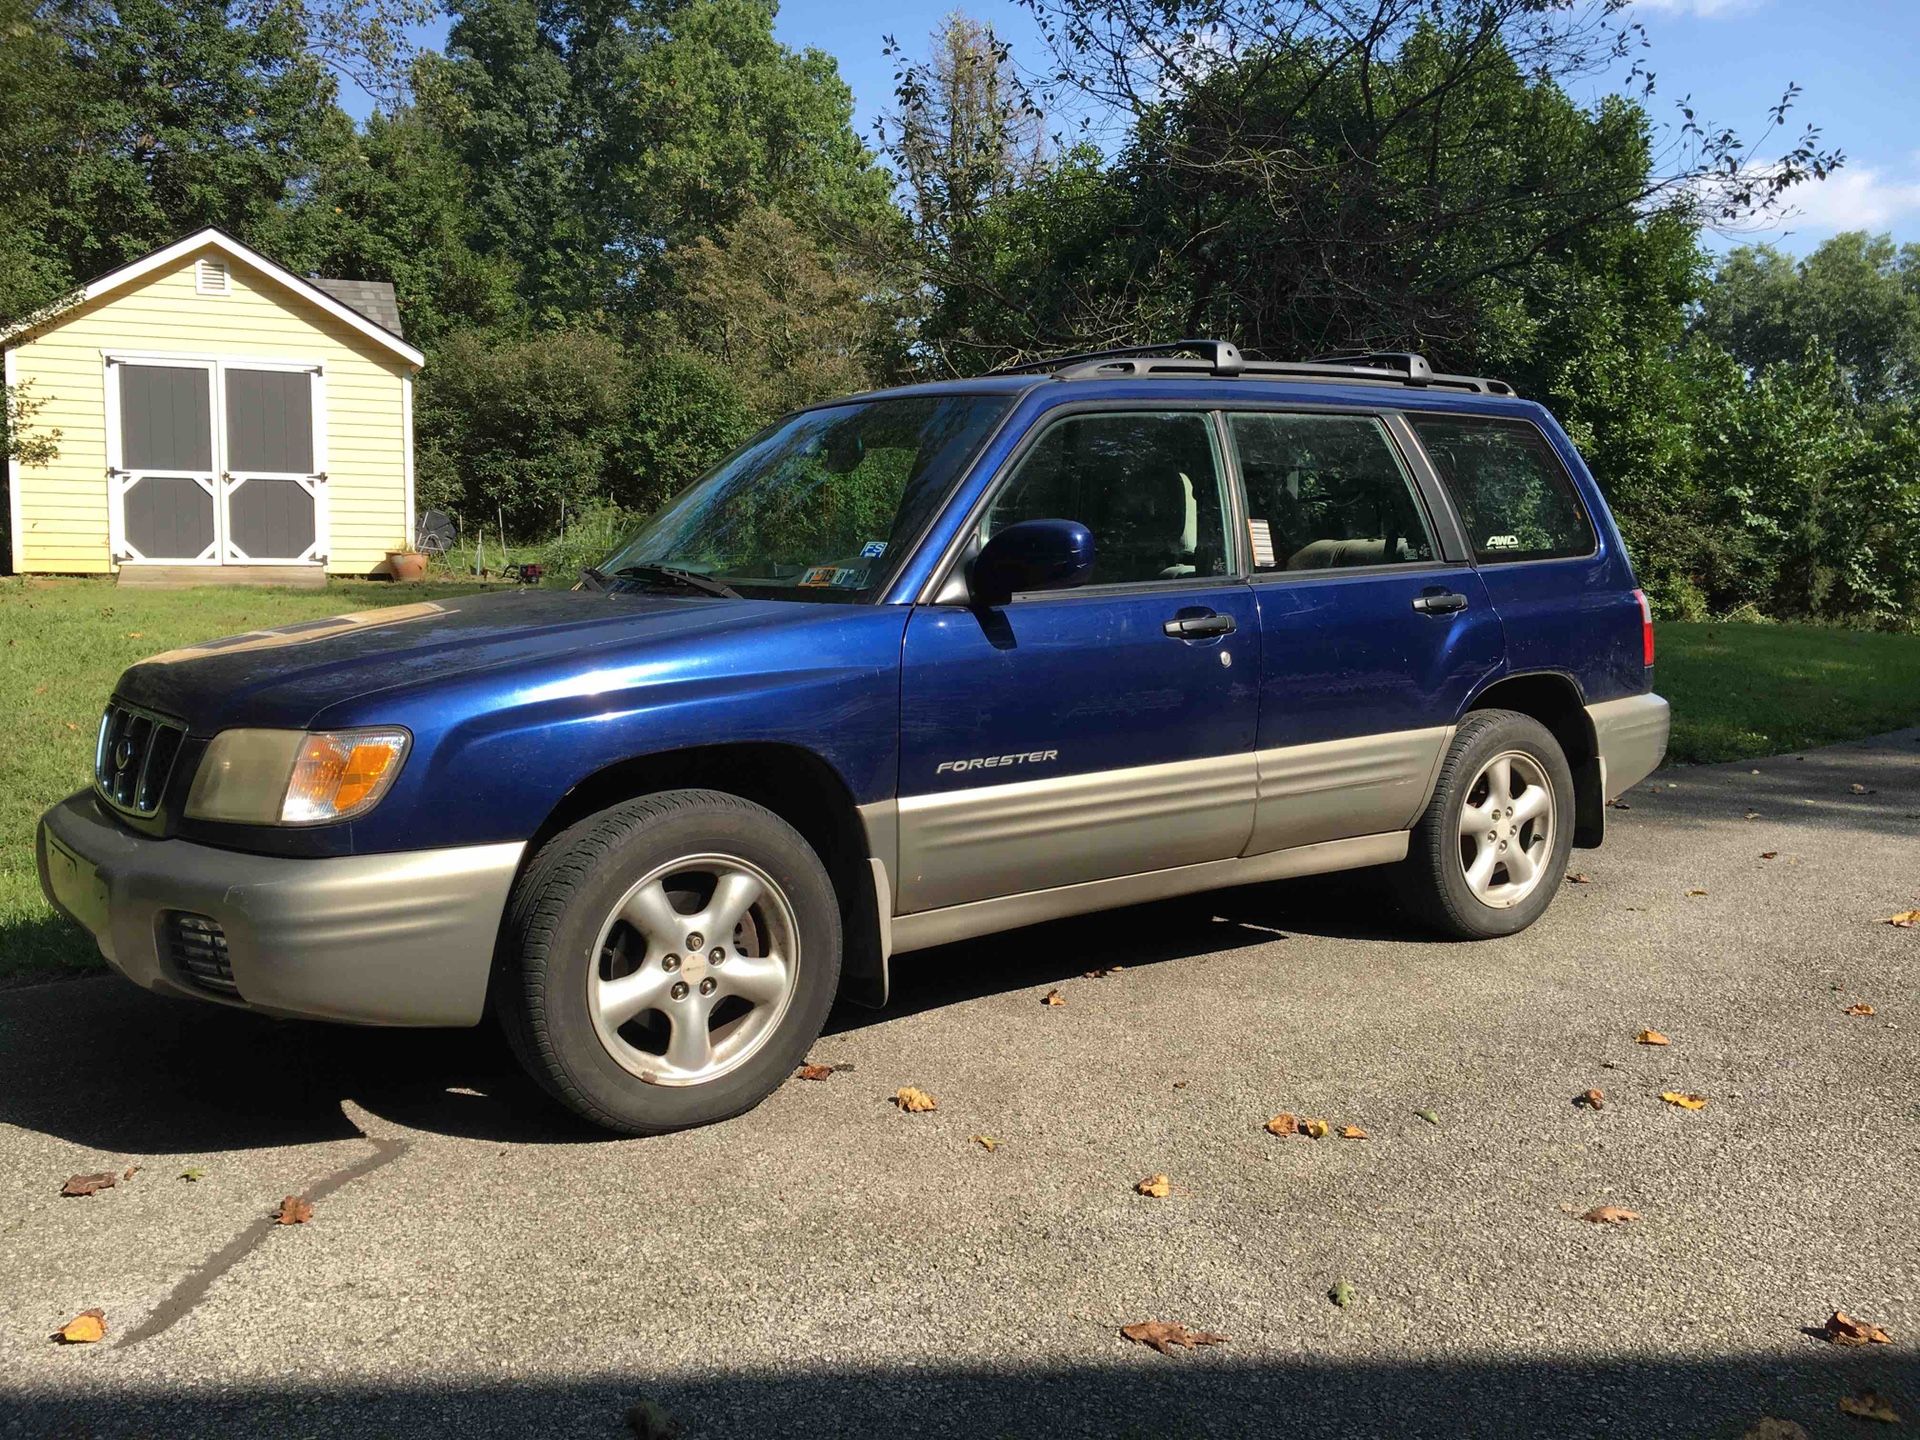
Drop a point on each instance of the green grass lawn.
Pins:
(1744, 690)
(1737, 691)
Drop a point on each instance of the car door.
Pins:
(1374, 626)
(1077, 735)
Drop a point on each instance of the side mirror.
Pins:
(1031, 555)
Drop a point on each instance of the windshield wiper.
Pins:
(686, 578)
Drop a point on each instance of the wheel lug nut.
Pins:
(709, 985)
(695, 940)
(679, 991)
(1503, 844)
(670, 963)
(716, 955)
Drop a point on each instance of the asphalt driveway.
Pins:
(478, 1265)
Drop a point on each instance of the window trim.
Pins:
(1446, 552)
(1595, 545)
(946, 581)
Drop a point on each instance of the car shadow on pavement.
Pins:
(100, 1063)
(1352, 905)
(1137, 1394)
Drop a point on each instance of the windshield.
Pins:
(825, 505)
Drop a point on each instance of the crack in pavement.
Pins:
(193, 1289)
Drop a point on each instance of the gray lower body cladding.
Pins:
(396, 939)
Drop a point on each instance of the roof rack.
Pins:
(1218, 359)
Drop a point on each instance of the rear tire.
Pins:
(616, 1014)
(1491, 849)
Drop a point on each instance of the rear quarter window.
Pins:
(1514, 497)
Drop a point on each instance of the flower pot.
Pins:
(406, 566)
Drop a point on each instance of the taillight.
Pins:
(1646, 629)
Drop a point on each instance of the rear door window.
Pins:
(1513, 494)
(1326, 492)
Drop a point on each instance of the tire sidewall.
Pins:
(574, 1047)
(1509, 731)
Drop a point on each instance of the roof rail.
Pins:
(1221, 357)
(1218, 359)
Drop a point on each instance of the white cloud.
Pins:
(1700, 9)
(1853, 198)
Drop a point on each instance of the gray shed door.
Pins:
(272, 492)
(166, 459)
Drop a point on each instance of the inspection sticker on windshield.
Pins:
(873, 549)
(844, 577)
(819, 575)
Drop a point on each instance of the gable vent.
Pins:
(210, 277)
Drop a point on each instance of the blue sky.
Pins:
(1854, 60)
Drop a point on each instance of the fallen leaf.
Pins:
(1163, 1335)
(1158, 1186)
(191, 1175)
(1684, 1100)
(1618, 805)
(1772, 1429)
(1651, 1037)
(815, 1072)
(1610, 1215)
(1696, 892)
(1842, 1329)
(1316, 1128)
(649, 1421)
(1428, 1116)
(914, 1102)
(1102, 973)
(1179, 1084)
(1054, 997)
(1769, 854)
(1860, 790)
(89, 1184)
(1906, 919)
(131, 1171)
(985, 1142)
(1574, 877)
(1869, 1405)
(1342, 1293)
(83, 1329)
(135, 634)
(1283, 1124)
(294, 1211)
(1352, 1132)
(1859, 1007)
(1753, 815)
(1591, 1099)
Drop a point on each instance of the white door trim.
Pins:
(120, 550)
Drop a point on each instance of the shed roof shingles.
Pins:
(372, 298)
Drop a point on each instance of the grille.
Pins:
(135, 757)
(197, 946)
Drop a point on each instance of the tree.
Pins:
(171, 116)
(794, 323)
(602, 135)
(1856, 296)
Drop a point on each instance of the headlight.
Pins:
(291, 777)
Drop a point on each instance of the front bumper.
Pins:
(399, 939)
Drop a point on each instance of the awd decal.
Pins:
(993, 762)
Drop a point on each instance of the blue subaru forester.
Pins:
(909, 667)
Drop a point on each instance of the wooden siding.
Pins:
(63, 506)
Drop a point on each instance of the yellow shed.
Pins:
(218, 418)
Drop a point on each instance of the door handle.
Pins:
(1199, 627)
(1444, 604)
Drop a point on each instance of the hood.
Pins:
(288, 675)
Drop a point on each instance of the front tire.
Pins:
(666, 963)
(1488, 854)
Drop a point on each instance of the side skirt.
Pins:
(1006, 912)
